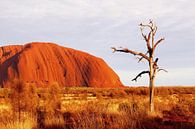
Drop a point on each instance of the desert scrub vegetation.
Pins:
(24, 106)
(99, 115)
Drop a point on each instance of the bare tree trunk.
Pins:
(151, 86)
(152, 95)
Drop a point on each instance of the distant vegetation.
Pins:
(26, 107)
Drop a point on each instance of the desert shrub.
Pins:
(52, 99)
(24, 99)
(178, 110)
(128, 91)
(32, 99)
(24, 102)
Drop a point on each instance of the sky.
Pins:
(94, 26)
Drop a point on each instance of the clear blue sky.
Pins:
(96, 25)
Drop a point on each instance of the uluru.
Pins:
(45, 63)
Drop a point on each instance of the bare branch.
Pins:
(143, 35)
(152, 26)
(152, 23)
(156, 60)
(149, 35)
(162, 70)
(125, 50)
(158, 42)
(146, 25)
(155, 29)
(155, 66)
(113, 49)
(140, 74)
(140, 59)
(147, 38)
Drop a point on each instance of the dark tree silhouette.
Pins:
(148, 56)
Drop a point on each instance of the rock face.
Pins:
(46, 63)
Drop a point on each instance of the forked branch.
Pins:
(140, 59)
(140, 74)
(146, 25)
(125, 50)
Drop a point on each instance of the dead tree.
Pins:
(151, 44)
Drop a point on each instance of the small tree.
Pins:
(23, 98)
(148, 56)
(31, 99)
(17, 96)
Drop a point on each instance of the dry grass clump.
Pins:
(9, 121)
(99, 115)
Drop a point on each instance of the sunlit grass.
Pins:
(104, 109)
